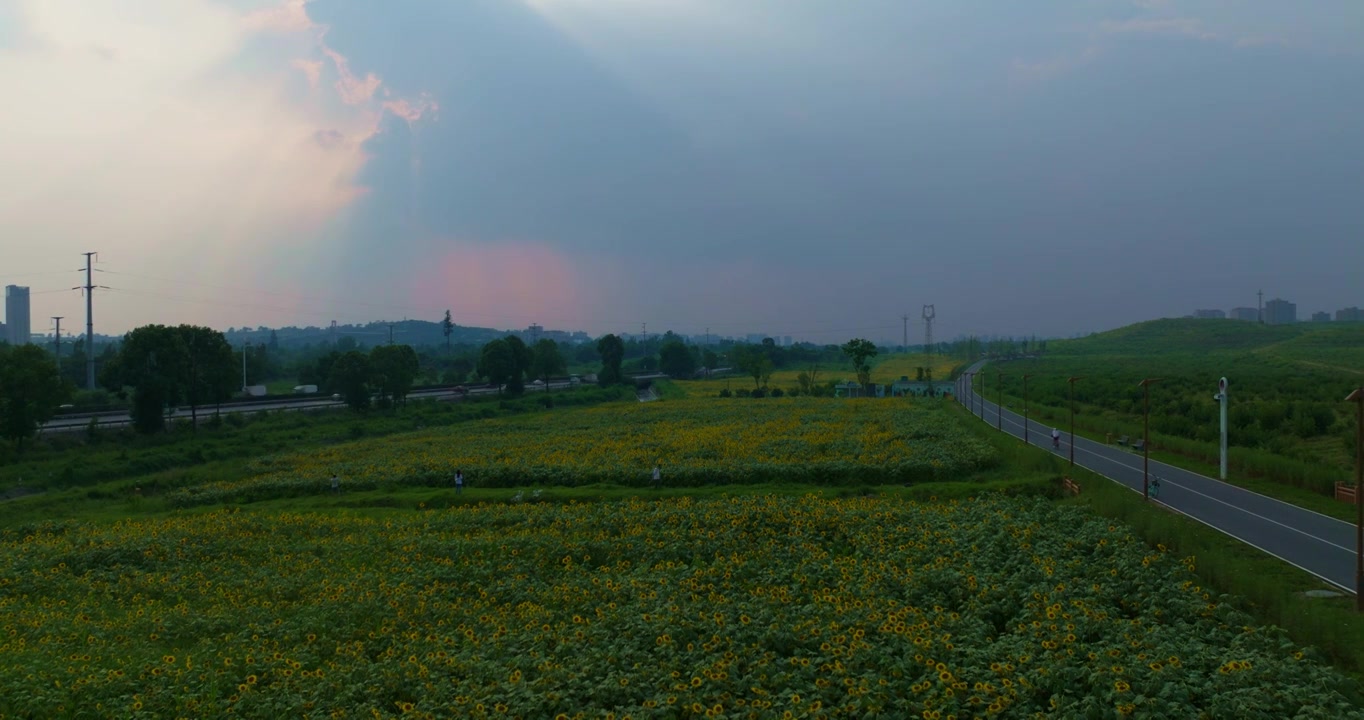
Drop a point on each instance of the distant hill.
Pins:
(1335, 344)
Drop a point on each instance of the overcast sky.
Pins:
(792, 167)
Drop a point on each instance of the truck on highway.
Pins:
(305, 389)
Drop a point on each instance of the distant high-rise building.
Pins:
(786, 341)
(1245, 313)
(18, 330)
(1349, 314)
(1209, 314)
(1321, 317)
(1280, 312)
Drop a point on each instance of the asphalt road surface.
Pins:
(1313, 542)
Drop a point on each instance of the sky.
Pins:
(788, 167)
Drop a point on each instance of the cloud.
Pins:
(312, 69)
(502, 284)
(1187, 27)
(167, 136)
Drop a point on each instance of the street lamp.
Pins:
(1072, 380)
(999, 401)
(1146, 438)
(1357, 397)
(1025, 408)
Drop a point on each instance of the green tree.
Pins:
(30, 391)
(675, 359)
(860, 351)
(521, 359)
(753, 361)
(447, 328)
(211, 372)
(612, 352)
(393, 368)
(350, 375)
(709, 359)
(548, 361)
(154, 361)
(496, 363)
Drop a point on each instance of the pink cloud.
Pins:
(353, 90)
(503, 285)
(312, 69)
(290, 16)
(410, 110)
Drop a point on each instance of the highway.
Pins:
(1316, 543)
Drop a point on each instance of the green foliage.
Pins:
(351, 375)
(547, 361)
(1286, 410)
(521, 359)
(612, 352)
(496, 363)
(30, 391)
(167, 366)
(676, 360)
(393, 368)
(859, 606)
(860, 351)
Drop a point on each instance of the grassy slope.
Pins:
(1328, 352)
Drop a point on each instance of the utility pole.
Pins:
(57, 341)
(904, 341)
(1260, 306)
(390, 333)
(929, 314)
(89, 323)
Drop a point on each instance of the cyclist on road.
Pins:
(1056, 438)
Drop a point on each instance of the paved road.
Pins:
(1308, 540)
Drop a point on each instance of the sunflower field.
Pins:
(750, 607)
(695, 442)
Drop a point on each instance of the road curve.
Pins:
(1308, 540)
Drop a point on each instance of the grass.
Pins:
(885, 369)
(1258, 583)
(1261, 585)
(73, 461)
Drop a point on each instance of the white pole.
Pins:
(1222, 400)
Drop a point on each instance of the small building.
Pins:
(904, 387)
(1281, 312)
(1245, 313)
(848, 389)
(1321, 317)
(1349, 314)
(1209, 314)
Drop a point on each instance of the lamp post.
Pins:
(999, 401)
(1357, 397)
(1146, 438)
(1025, 408)
(1072, 380)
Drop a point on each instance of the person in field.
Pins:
(459, 481)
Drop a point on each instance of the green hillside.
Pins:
(1184, 335)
